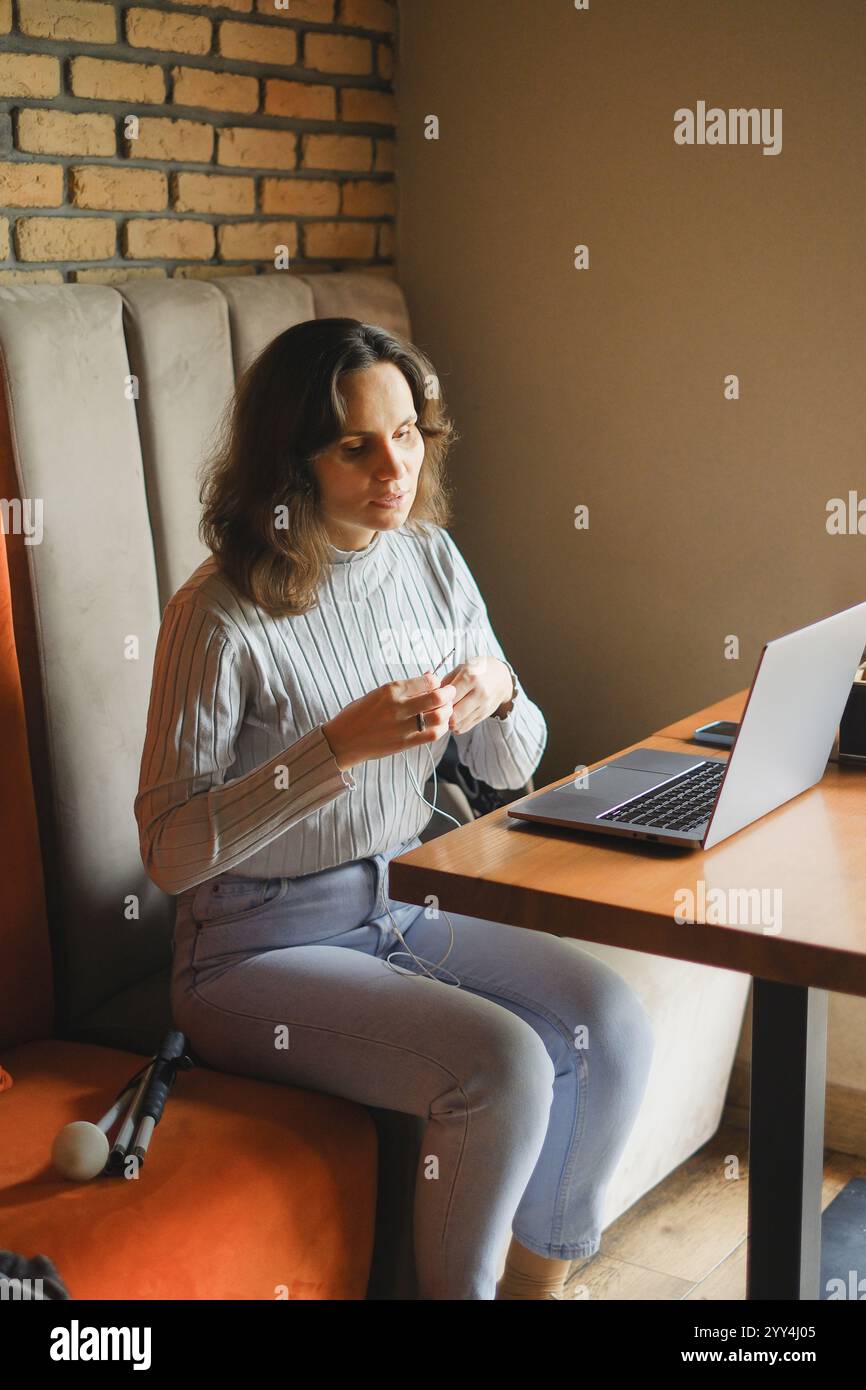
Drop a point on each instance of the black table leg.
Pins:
(786, 1140)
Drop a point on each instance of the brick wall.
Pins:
(195, 137)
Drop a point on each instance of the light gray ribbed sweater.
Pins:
(236, 772)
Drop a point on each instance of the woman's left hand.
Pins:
(482, 684)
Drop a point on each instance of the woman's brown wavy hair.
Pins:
(259, 492)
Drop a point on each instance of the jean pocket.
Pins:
(221, 902)
(238, 924)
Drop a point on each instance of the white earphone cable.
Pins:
(419, 960)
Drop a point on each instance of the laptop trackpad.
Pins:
(605, 788)
(614, 784)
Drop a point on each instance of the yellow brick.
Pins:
(29, 75)
(385, 161)
(239, 6)
(61, 132)
(80, 20)
(4, 238)
(213, 193)
(105, 80)
(65, 238)
(175, 33)
(301, 197)
(218, 91)
(318, 11)
(31, 185)
(5, 16)
(369, 14)
(258, 43)
(305, 101)
(109, 275)
(248, 148)
(360, 104)
(168, 238)
(256, 241)
(337, 53)
(356, 240)
(386, 61)
(31, 277)
(210, 272)
(348, 152)
(368, 198)
(104, 187)
(387, 240)
(161, 138)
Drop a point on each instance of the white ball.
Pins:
(80, 1150)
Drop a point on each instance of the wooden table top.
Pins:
(808, 856)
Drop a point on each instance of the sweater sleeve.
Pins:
(504, 753)
(192, 823)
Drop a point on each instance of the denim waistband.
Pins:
(379, 861)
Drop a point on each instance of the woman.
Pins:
(293, 719)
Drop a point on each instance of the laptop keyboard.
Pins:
(681, 804)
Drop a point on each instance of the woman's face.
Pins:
(380, 453)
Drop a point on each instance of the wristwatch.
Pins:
(510, 706)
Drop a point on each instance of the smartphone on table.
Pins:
(720, 733)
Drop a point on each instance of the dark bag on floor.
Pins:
(35, 1279)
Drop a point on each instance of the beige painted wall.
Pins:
(605, 386)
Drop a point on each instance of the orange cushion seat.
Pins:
(230, 1153)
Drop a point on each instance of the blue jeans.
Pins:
(530, 1074)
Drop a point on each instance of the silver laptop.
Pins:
(796, 700)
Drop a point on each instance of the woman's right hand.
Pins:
(383, 722)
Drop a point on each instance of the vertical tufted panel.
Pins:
(262, 308)
(177, 335)
(370, 298)
(93, 588)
